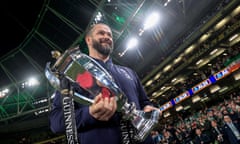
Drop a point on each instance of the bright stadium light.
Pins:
(30, 82)
(133, 42)
(151, 21)
(167, 2)
(98, 17)
(4, 92)
(33, 81)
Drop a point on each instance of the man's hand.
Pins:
(149, 108)
(103, 108)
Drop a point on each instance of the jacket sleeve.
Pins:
(83, 119)
(143, 98)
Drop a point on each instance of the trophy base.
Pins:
(145, 125)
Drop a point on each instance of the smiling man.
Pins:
(100, 123)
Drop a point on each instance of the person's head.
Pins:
(227, 119)
(225, 112)
(99, 41)
(198, 131)
(213, 123)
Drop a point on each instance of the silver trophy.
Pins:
(87, 73)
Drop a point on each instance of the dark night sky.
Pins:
(17, 20)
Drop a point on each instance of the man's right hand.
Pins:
(103, 108)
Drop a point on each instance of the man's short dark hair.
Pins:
(90, 28)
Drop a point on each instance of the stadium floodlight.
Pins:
(98, 17)
(32, 82)
(151, 21)
(4, 92)
(167, 2)
(132, 43)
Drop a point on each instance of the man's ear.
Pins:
(87, 39)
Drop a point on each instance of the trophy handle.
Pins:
(52, 77)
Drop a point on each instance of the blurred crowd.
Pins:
(218, 124)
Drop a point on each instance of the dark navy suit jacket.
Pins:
(91, 130)
(215, 135)
(230, 135)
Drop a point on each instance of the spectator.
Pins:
(217, 133)
(201, 138)
(232, 130)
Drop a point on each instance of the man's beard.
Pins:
(105, 50)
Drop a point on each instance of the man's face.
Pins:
(101, 39)
(227, 119)
(198, 132)
(213, 123)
